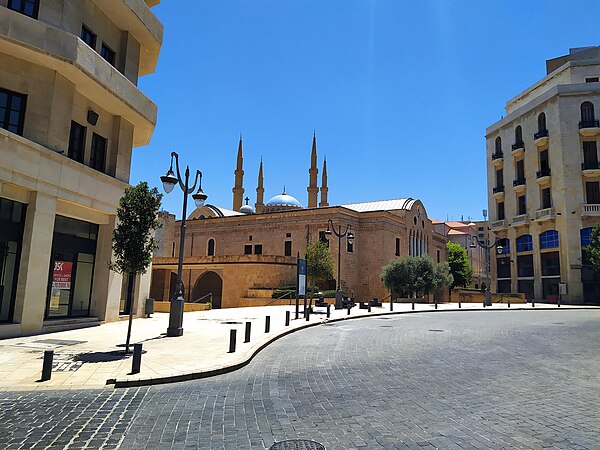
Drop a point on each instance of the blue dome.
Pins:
(284, 200)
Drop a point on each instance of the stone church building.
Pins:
(239, 256)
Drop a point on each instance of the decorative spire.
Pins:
(313, 189)
(260, 190)
(247, 199)
(324, 188)
(238, 189)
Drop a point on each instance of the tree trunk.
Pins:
(129, 302)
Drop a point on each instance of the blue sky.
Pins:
(399, 92)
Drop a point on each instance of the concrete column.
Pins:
(32, 285)
(106, 289)
(61, 111)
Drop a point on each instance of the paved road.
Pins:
(509, 379)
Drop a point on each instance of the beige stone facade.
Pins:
(543, 181)
(65, 154)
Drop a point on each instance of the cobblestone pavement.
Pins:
(505, 379)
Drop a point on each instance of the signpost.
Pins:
(300, 284)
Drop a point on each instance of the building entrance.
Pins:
(12, 220)
(71, 268)
(209, 283)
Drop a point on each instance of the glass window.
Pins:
(349, 246)
(504, 246)
(525, 266)
(397, 247)
(258, 249)
(542, 122)
(287, 250)
(247, 249)
(546, 198)
(98, 155)
(12, 111)
(500, 212)
(550, 264)
(587, 114)
(498, 145)
(585, 235)
(521, 205)
(28, 7)
(76, 142)
(504, 286)
(503, 267)
(524, 243)
(590, 155)
(549, 239)
(211, 247)
(592, 192)
(107, 54)
(88, 37)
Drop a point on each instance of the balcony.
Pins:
(543, 175)
(590, 209)
(589, 128)
(520, 220)
(500, 224)
(541, 138)
(590, 169)
(518, 148)
(498, 191)
(519, 184)
(497, 158)
(545, 214)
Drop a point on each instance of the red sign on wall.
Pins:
(61, 276)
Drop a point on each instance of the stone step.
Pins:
(54, 325)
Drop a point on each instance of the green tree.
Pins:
(319, 264)
(591, 252)
(415, 275)
(133, 240)
(460, 266)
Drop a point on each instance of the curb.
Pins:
(124, 383)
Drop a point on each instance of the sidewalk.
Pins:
(87, 358)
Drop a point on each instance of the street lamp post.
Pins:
(350, 237)
(487, 247)
(169, 181)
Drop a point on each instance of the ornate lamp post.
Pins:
(169, 181)
(474, 243)
(350, 237)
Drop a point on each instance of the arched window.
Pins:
(549, 239)
(585, 235)
(524, 243)
(503, 246)
(211, 247)
(542, 122)
(588, 118)
(518, 135)
(498, 146)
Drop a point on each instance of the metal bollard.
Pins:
(484, 303)
(267, 324)
(533, 303)
(391, 305)
(436, 304)
(307, 314)
(369, 309)
(413, 306)
(232, 339)
(247, 333)
(328, 311)
(136, 362)
(348, 310)
(459, 307)
(509, 302)
(558, 301)
(287, 318)
(47, 365)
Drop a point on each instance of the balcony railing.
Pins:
(590, 209)
(497, 155)
(498, 189)
(540, 134)
(589, 124)
(590, 165)
(518, 145)
(545, 213)
(543, 172)
(519, 182)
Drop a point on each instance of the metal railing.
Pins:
(541, 134)
(518, 145)
(590, 165)
(543, 173)
(498, 189)
(198, 300)
(589, 124)
(519, 182)
(497, 155)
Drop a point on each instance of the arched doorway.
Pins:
(209, 283)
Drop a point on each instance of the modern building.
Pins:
(239, 258)
(70, 114)
(544, 182)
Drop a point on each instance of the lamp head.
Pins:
(169, 181)
(500, 249)
(199, 197)
(350, 238)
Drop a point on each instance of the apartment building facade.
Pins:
(70, 114)
(544, 182)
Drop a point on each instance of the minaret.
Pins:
(313, 189)
(238, 189)
(324, 188)
(260, 191)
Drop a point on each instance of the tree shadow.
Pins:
(99, 357)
